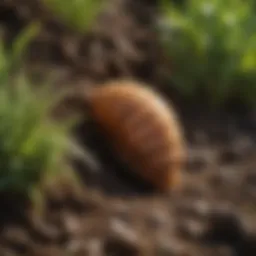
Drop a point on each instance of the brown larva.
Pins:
(143, 128)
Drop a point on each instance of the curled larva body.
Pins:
(143, 128)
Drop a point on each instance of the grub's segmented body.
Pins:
(144, 130)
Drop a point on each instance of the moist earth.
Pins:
(116, 213)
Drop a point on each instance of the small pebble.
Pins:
(191, 229)
(121, 240)
(158, 218)
(72, 224)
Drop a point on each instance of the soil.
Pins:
(116, 213)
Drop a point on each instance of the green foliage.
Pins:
(32, 147)
(212, 47)
(11, 60)
(76, 14)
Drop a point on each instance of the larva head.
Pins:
(144, 129)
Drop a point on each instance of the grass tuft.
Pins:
(212, 47)
(76, 14)
(33, 148)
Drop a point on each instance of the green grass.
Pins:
(76, 14)
(212, 47)
(33, 148)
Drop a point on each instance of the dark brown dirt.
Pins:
(214, 214)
